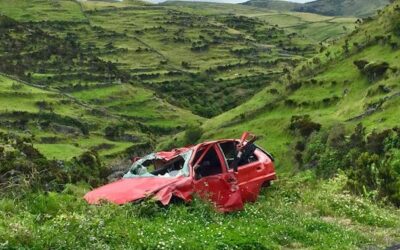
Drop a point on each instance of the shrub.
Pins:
(293, 86)
(303, 125)
(363, 176)
(192, 135)
(375, 70)
(389, 173)
(314, 149)
(88, 168)
(114, 132)
(360, 64)
(330, 161)
(397, 28)
(23, 167)
(376, 141)
(337, 137)
(357, 138)
(371, 163)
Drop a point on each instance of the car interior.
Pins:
(229, 150)
(209, 165)
(171, 167)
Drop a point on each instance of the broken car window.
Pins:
(209, 165)
(153, 166)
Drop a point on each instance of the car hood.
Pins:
(129, 189)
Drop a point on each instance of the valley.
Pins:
(130, 60)
(86, 85)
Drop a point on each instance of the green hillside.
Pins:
(330, 88)
(351, 8)
(332, 75)
(359, 8)
(274, 4)
(86, 85)
(112, 59)
(182, 56)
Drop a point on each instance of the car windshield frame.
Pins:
(138, 170)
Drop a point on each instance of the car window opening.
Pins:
(208, 165)
(229, 150)
(152, 166)
(171, 168)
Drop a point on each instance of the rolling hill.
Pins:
(274, 4)
(359, 8)
(329, 87)
(111, 58)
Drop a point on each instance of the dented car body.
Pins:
(227, 172)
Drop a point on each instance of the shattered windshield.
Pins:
(154, 166)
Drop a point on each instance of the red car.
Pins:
(226, 172)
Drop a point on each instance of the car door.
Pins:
(213, 182)
(252, 173)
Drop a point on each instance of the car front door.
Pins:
(213, 182)
(251, 172)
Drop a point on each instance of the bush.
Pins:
(114, 132)
(389, 173)
(371, 163)
(329, 163)
(375, 70)
(23, 167)
(363, 176)
(337, 137)
(88, 168)
(360, 64)
(303, 125)
(293, 86)
(376, 142)
(192, 135)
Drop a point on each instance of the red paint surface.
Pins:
(128, 190)
(169, 155)
(222, 190)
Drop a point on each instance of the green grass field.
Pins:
(289, 215)
(42, 10)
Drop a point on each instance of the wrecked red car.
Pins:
(227, 172)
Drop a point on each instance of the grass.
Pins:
(284, 216)
(345, 8)
(304, 23)
(139, 103)
(19, 97)
(128, 34)
(59, 151)
(42, 10)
